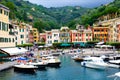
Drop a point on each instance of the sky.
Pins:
(61, 3)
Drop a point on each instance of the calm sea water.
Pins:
(69, 70)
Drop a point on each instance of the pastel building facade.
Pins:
(7, 38)
(35, 34)
(113, 31)
(55, 36)
(21, 31)
(65, 35)
(30, 34)
(48, 38)
(81, 35)
(101, 34)
(43, 37)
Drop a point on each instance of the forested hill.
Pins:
(41, 17)
(108, 11)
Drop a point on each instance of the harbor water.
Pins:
(69, 70)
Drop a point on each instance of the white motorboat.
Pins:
(53, 61)
(114, 63)
(94, 62)
(24, 68)
(116, 75)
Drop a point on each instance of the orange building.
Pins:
(100, 33)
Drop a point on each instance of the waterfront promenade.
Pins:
(7, 65)
(99, 52)
(96, 52)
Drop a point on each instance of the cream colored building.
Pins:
(48, 38)
(55, 35)
(7, 38)
(21, 31)
(64, 34)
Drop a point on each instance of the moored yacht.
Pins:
(114, 63)
(94, 62)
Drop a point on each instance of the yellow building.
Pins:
(7, 38)
(36, 35)
(64, 35)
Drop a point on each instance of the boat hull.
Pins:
(94, 66)
(78, 59)
(25, 70)
(56, 64)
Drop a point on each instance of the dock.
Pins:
(7, 65)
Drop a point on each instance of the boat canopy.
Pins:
(81, 44)
(106, 46)
(100, 43)
(13, 51)
(65, 44)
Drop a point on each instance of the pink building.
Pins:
(30, 37)
(81, 35)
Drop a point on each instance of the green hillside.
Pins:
(41, 17)
(111, 10)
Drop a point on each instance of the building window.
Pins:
(1, 39)
(9, 39)
(13, 40)
(55, 35)
(76, 35)
(3, 26)
(0, 11)
(6, 13)
(22, 30)
(55, 41)
(80, 34)
(90, 34)
(21, 36)
(21, 42)
(86, 34)
(0, 25)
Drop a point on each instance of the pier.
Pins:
(7, 65)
